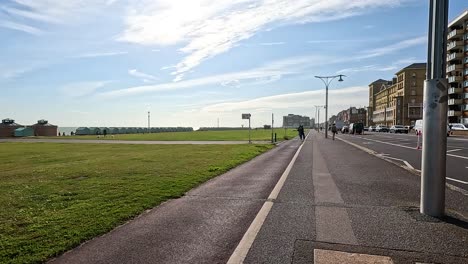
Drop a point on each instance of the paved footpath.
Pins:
(333, 200)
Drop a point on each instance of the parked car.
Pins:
(356, 128)
(418, 127)
(457, 126)
(398, 129)
(345, 129)
(366, 128)
(372, 128)
(380, 128)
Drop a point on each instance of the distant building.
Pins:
(352, 115)
(294, 121)
(457, 69)
(7, 127)
(43, 128)
(399, 102)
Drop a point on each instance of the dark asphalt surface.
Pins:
(204, 226)
(376, 199)
(403, 146)
(336, 197)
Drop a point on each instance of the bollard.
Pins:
(418, 145)
(275, 137)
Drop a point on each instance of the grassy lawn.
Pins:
(259, 134)
(55, 196)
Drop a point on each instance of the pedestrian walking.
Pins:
(333, 129)
(300, 130)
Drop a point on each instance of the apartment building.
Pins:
(374, 88)
(400, 101)
(457, 69)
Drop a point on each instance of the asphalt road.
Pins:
(402, 148)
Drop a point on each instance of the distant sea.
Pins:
(67, 130)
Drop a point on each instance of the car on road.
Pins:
(457, 126)
(380, 128)
(356, 128)
(398, 129)
(418, 127)
(345, 129)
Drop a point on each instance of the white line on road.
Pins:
(402, 146)
(247, 240)
(453, 150)
(404, 161)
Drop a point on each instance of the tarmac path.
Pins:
(402, 148)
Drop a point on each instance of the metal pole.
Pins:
(318, 129)
(272, 121)
(249, 132)
(149, 122)
(434, 152)
(326, 111)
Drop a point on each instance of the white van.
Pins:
(418, 127)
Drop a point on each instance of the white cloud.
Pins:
(272, 43)
(271, 72)
(338, 99)
(208, 28)
(79, 89)
(144, 76)
(21, 27)
(100, 54)
(394, 47)
(367, 68)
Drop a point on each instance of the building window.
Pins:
(413, 92)
(413, 100)
(414, 75)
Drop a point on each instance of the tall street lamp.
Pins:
(327, 80)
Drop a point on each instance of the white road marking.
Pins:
(247, 240)
(404, 161)
(455, 180)
(402, 146)
(453, 150)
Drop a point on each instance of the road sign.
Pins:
(245, 116)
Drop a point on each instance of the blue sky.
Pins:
(106, 63)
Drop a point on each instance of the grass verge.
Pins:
(55, 196)
(234, 135)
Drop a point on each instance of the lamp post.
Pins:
(327, 80)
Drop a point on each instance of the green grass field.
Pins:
(55, 196)
(259, 134)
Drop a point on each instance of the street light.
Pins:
(327, 80)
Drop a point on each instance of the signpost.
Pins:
(247, 116)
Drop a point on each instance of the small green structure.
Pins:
(95, 131)
(114, 131)
(81, 131)
(24, 132)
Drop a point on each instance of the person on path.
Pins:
(300, 129)
(333, 130)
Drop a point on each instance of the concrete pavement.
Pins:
(336, 202)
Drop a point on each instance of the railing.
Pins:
(454, 113)
(454, 90)
(419, 105)
(465, 96)
(454, 67)
(454, 101)
(453, 56)
(453, 33)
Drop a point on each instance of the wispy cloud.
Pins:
(339, 98)
(143, 76)
(368, 68)
(79, 89)
(394, 47)
(100, 54)
(21, 27)
(273, 71)
(209, 28)
(272, 43)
